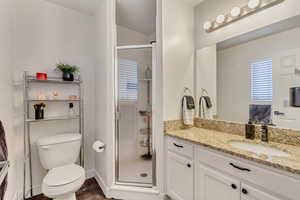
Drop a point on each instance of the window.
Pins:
(128, 80)
(261, 80)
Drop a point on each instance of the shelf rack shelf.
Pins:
(55, 80)
(57, 118)
(28, 81)
(53, 100)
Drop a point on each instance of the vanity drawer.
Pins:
(270, 180)
(181, 147)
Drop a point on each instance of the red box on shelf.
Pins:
(41, 76)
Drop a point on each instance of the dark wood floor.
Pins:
(89, 191)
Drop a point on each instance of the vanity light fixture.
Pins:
(238, 13)
(207, 25)
(235, 12)
(221, 19)
(253, 4)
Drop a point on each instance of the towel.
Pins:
(188, 110)
(205, 105)
(3, 157)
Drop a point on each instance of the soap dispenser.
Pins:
(250, 130)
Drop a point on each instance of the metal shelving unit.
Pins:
(28, 80)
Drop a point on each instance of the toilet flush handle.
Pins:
(46, 147)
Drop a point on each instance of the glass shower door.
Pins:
(134, 124)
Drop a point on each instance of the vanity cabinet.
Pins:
(180, 177)
(180, 170)
(213, 185)
(251, 193)
(195, 172)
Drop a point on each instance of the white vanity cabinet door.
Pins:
(213, 185)
(180, 175)
(250, 193)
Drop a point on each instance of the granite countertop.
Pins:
(221, 141)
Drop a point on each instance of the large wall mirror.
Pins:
(255, 76)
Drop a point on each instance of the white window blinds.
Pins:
(261, 80)
(128, 80)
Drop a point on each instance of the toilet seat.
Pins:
(63, 180)
(63, 175)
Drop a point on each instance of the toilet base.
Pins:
(66, 197)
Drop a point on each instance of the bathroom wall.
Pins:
(233, 80)
(46, 33)
(6, 100)
(104, 93)
(208, 10)
(127, 36)
(178, 55)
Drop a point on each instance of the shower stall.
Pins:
(135, 155)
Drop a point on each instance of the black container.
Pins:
(39, 114)
(68, 76)
(250, 131)
(295, 97)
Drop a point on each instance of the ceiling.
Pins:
(138, 15)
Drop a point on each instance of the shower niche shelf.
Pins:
(28, 120)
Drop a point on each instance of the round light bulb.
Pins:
(252, 4)
(207, 25)
(236, 11)
(220, 19)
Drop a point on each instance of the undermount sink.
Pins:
(258, 149)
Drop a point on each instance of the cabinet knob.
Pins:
(244, 191)
(233, 186)
(189, 165)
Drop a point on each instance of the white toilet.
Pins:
(58, 154)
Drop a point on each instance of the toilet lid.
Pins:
(63, 175)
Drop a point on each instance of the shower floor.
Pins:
(134, 170)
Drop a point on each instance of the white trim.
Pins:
(134, 46)
(134, 193)
(90, 173)
(102, 184)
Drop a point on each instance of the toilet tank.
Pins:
(59, 150)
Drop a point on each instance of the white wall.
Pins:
(127, 36)
(104, 94)
(6, 100)
(178, 55)
(45, 34)
(208, 10)
(234, 71)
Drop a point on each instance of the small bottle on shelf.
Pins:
(71, 110)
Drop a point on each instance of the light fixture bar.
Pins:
(236, 14)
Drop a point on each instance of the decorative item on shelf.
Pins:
(55, 95)
(41, 76)
(73, 97)
(41, 96)
(39, 111)
(68, 71)
(148, 73)
(71, 110)
(237, 13)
